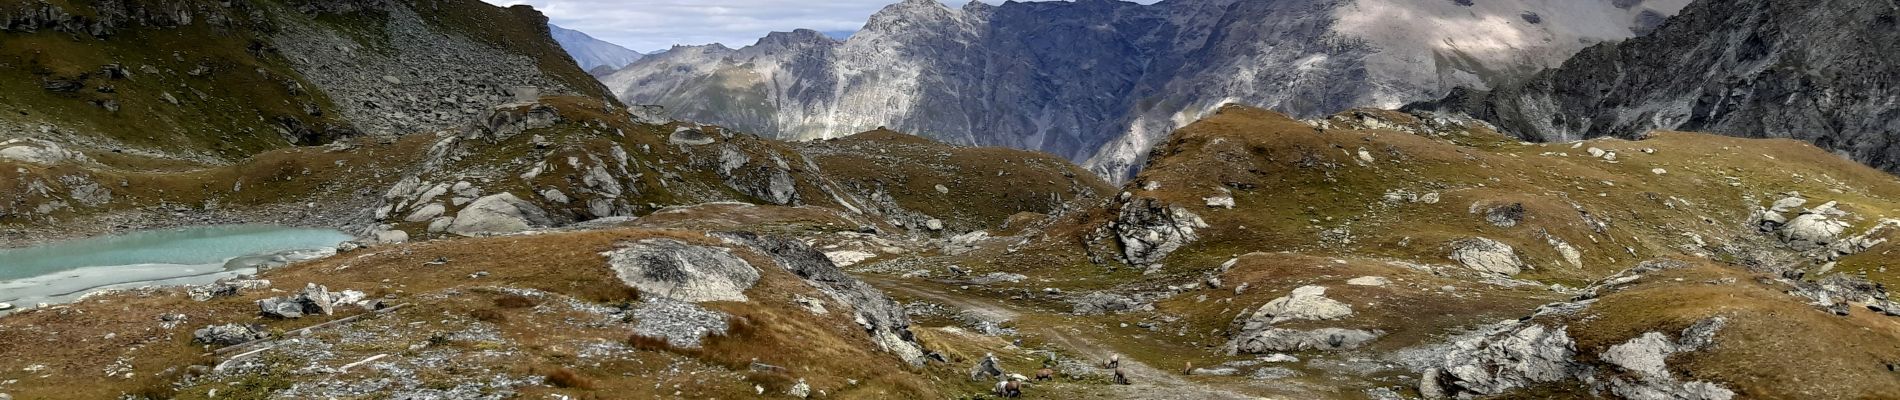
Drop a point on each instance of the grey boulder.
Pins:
(500, 213)
(228, 334)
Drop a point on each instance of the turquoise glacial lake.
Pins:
(59, 272)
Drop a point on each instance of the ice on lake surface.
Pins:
(60, 272)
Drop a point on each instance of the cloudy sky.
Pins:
(648, 25)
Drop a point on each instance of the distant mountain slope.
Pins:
(1822, 71)
(593, 54)
(1103, 80)
(213, 82)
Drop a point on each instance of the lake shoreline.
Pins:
(67, 271)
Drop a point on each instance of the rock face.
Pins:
(1486, 255)
(684, 272)
(1813, 70)
(498, 214)
(1104, 81)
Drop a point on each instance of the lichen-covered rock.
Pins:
(38, 151)
(499, 213)
(228, 334)
(1305, 303)
(1815, 228)
(1150, 230)
(1510, 356)
(677, 270)
(1487, 255)
(1643, 355)
(1518, 355)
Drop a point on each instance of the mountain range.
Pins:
(1099, 81)
(512, 230)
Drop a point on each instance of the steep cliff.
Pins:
(1821, 71)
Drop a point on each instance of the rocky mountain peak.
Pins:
(911, 14)
(1103, 80)
(795, 38)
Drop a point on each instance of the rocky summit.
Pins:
(431, 199)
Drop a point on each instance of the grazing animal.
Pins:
(1045, 374)
(1114, 361)
(1120, 378)
(1009, 388)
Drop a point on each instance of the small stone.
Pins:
(1659, 171)
(1220, 202)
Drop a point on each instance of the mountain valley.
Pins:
(1270, 223)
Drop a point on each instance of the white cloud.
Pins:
(648, 25)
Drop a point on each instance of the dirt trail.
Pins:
(1146, 382)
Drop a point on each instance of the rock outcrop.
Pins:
(38, 151)
(1306, 303)
(882, 318)
(1523, 354)
(1257, 333)
(681, 271)
(1149, 230)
